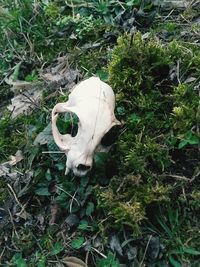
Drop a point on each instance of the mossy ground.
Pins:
(160, 116)
(145, 193)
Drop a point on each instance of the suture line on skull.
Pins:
(95, 124)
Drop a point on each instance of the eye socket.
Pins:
(111, 136)
(67, 123)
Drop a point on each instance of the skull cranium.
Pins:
(93, 102)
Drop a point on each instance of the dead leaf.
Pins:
(23, 214)
(91, 45)
(73, 262)
(18, 86)
(115, 245)
(55, 212)
(59, 73)
(61, 78)
(44, 137)
(23, 103)
(41, 219)
(52, 78)
(4, 11)
(16, 158)
(154, 247)
(59, 264)
(27, 179)
(4, 170)
(172, 4)
(72, 221)
(190, 79)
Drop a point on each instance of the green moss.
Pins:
(190, 13)
(52, 10)
(159, 109)
(127, 198)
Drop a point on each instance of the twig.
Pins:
(16, 199)
(178, 177)
(50, 96)
(13, 49)
(15, 196)
(185, 19)
(2, 254)
(141, 134)
(83, 4)
(71, 203)
(169, 14)
(12, 221)
(73, 13)
(73, 197)
(178, 72)
(86, 258)
(38, 243)
(145, 252)
(184, 195)
(197, 44)
(96, 250)
(121, 5)
(194, 177)
(23, 210)
(52, 152)
(29, 43)
(32, 101)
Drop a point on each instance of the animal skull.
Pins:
(93, 101)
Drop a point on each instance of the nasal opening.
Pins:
(82, 167)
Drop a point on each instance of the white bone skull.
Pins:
(93, 101)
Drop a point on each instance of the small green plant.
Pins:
(171, 27)
(110, 261)
(32, 77)
(19, 261)
(57, 248)
(25, 34)
(77, 243)
(189, 139)
(113, 11)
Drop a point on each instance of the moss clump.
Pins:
(159, 106)
(127, 197)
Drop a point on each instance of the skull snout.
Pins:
(82, 170)
(80, 164)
